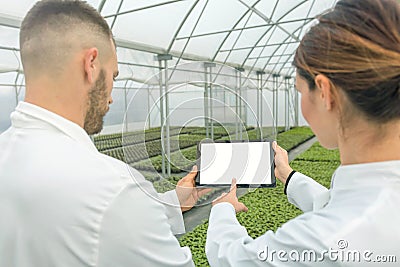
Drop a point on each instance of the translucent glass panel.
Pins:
(16, 8)
(254, 34)
(20, 8)
(155, 26)
(224, 30)
(9, 54)
(201, 29)
(9, 37)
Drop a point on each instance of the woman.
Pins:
(348, 74)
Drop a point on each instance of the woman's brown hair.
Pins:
(357, 46)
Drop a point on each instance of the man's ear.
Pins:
(90, 62)
(325, 90)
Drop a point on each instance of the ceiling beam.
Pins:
(10, 21)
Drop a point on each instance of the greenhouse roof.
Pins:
(255, 35)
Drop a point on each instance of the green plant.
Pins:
(294, 137)
(318, 153)
(111, 141)
(184, 159)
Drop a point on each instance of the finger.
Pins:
(194, 169)
(203, 191)
(191, 176)
(274, 145)
(243, 207)
(233, 185)
(220, 197)
(282, 149)
(193, 172)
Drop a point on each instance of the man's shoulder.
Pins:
(120, 167)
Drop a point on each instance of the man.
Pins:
(62, 203)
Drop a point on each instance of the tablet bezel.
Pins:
(272, 155)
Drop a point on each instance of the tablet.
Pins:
(251, 163)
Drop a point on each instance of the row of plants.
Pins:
(253, 134)
(222, 131)
(163, 185)
(119, 140)
(318, 153)
(181, 161)
(184, 159)
(292, 138)
(119, 135)
(140, 151)
(265, 132)
(111, 141)
(269, 208)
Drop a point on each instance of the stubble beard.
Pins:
(97, 106)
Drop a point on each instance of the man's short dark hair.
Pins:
(44, 30)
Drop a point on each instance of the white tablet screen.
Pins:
(249, 162)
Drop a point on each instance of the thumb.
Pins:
(242, 207)
(194, 169)
(274, 145)
(233, 185)
(193, 172)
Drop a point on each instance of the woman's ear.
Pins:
(90, 62)
(325, 89)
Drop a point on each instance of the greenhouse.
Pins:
(248, 50)
(195, 70)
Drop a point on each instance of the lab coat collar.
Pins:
(27, 115)
(376, 174)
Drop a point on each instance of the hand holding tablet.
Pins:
(251, 163)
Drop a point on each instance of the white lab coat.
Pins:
(358, 218)
(62, 203)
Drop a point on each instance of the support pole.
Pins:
(167, 121)
(148, 106)
(224, 92)
(287, 103)
(164, 113)
(239, 96)
(126, 106)
(236, 107)
(211, 98)
(296, 94)
(16, 90)
(208, 105)
(206, 100)
(259, 103)
(160, 79)
(275, 102)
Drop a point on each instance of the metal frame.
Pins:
(275, 99)
(164, 113)
(259, 103)
(208, 100)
